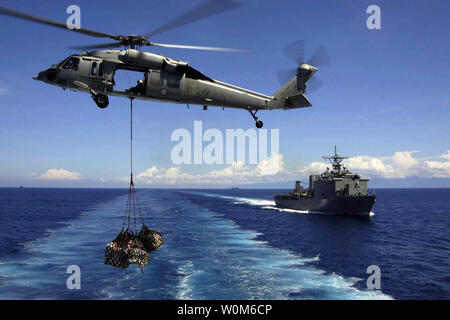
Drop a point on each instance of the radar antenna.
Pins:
(335, 161)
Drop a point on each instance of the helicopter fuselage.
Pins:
(165, 79)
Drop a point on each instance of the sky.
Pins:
(384, 102)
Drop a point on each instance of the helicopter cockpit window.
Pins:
(71, 64)
(62, 62)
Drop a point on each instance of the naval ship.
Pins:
(337, 191)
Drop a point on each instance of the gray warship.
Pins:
(337, 191)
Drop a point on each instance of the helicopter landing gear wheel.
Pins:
(258, 123)
(101, 100)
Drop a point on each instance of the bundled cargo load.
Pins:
(116, 256)
(126, 249)
(132, 247)
(151, 239)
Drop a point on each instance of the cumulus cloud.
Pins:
(401, 164)
(438, 169)
(266, 170)
(58, 174)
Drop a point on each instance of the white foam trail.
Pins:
(286, 210)
(315, 259)
(263, 203)
(184, 289)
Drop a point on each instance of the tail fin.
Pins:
(292, 97)
(294, 89)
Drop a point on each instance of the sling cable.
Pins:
(131, 247)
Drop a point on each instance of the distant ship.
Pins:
(337, 191)
(235, 188)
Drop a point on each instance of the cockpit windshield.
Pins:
(61, 63)
(71, 63)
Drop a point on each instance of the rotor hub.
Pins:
(133, 40)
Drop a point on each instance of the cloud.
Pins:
(3, 90)
(57, 174)
(266, 170)
(400, 165)
(271, 166)
(438, 169)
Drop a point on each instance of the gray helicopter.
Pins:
(171, 80)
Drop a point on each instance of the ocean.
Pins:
(224, 244)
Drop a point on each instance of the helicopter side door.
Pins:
(154, 83)
(93, 71)
(164, 84)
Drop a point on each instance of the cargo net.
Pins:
(131, 247)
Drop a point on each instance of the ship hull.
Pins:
(361, 205)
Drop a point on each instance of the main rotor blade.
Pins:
(180, 46)
(295, 51)
(25, 16)
(320, 57)
(98, 46)
(285, 75)
(201, 11)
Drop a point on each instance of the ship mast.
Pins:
(335, 161)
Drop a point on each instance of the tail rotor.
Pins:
(306, 68)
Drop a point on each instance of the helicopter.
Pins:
(166, 79)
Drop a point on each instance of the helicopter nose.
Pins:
(40, 76)
(47, 75)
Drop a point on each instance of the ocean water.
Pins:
(224, 244)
